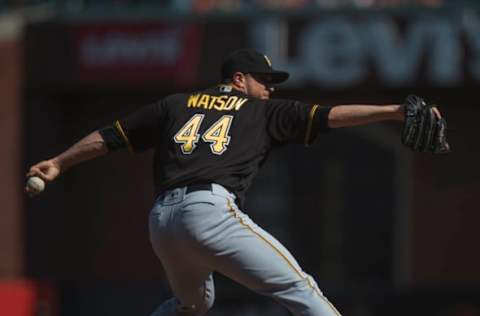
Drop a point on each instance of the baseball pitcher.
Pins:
(209, 145)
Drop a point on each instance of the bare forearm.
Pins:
(89, 147)
(353, 115)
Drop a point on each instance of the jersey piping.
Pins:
(119, 128)
(311, 115)
(310, 283)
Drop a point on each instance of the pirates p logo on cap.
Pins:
(268, 61)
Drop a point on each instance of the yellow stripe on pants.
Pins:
(298, 271)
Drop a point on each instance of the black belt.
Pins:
(199, 187)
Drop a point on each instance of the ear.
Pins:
(238, 79)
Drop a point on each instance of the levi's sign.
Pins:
(343, 51)
(137, 52)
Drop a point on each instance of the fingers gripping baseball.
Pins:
(46, 170)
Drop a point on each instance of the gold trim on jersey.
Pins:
(124, 136)
(297, 270)
(311, 115)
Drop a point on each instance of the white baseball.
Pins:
(36, 184)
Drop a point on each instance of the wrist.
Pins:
(56, 163)
(398, 112)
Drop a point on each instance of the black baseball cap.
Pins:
(250, 61)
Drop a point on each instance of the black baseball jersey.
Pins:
(218, 135)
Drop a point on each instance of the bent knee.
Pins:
(198, 309)
(208, 301)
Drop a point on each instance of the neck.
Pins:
(234, 87)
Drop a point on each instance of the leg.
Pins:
(192, 284)
(249, 255)
(208, 230)
(173, 306)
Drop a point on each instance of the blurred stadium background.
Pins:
(384, 231)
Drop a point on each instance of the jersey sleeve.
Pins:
(141, 128)
(290, 121)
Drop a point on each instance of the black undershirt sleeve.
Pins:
(112, 137)
(317, 123)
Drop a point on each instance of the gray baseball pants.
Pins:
(200, 232)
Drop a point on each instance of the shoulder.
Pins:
(273, 105)
(283, 102)
(172, 98)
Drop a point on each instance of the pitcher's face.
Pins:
(258, 85)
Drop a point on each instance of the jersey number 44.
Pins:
(217, 134)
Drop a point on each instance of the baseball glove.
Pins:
(423, 130)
